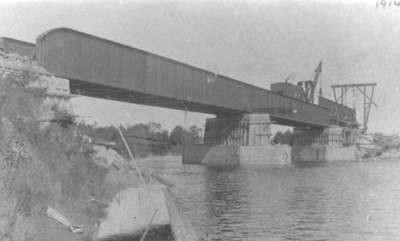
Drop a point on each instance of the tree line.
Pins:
(144, 139)
(286, 137)
(152, 139)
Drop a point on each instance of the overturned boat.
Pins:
(147, 212)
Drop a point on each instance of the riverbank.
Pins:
(55, 184)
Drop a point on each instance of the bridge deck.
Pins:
(106, 69)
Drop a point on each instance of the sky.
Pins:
(257, 42)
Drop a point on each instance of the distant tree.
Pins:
(177, 136)
(283, 138)
(195, 134)
(288, 138)
(278, 138)
(145, 139)
(155, 127)
(161, 145)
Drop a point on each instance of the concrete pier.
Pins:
(238, 130)
(329, 144)
(244, 139)
(227, 155)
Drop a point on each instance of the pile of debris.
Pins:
(55, 184)
(379, 145)
(389, 145)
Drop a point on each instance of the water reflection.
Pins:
(332, 201)
(306, 213)
(227, 202)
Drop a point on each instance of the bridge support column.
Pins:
(230, 140)
(329, 144)
(238, 130)
(331, 136)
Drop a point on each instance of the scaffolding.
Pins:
(367, 91)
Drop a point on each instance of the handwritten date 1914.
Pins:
(387, 3)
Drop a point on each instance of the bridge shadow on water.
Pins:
(227, 202)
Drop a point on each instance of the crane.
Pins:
(309, 86)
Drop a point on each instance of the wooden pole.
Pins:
(148, 226)
(131, 156)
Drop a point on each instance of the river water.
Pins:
(328, 201)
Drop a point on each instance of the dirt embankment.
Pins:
(380, 146)
(389, 145)
(46, 161)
